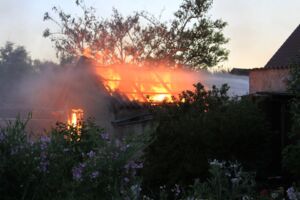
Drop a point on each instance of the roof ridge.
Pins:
(287, 52)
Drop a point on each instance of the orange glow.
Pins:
(76, 117)
(141, 83)
(145, 84)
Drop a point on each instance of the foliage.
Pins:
(92, 165)
(65, 165)
(15, 66)
(291, 153)
(205, 125)
(191, 38)
(14, 57)
(291, 156)
(227, 181)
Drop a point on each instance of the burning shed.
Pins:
(116, 96)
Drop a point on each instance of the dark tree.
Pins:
(15, 64)
(14, 60)
(202, 126)
(191, 38)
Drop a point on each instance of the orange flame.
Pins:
(142, 83)
(145, 84)
(76, 118)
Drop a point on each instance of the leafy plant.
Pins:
(205, 125)
(227, 181)
(291, 153)
(65, 165)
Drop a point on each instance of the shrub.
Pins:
(291, 152)
(205, 125)
(290, 160)
(64, 165)
(227, 181)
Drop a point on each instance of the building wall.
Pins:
(268, 80)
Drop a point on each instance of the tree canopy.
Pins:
(14, 59)
(191, 38)
(16, 65)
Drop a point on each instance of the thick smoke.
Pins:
(239, 85)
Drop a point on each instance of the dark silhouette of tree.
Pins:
(191, 38)
(16, 65)
(205, 125)
(14, 60)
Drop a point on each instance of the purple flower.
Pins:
(133, 165)
(77, 172)
(91, 154)
(44, 163)
(105, 136)
(45, 139)
(44, 142)
(291, 192)
(94, 175)
(126, 180)
(140, 165)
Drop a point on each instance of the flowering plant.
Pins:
(63, 164)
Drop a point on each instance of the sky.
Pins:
(256, 28)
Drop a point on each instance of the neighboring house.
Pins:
(268, 86)
(275, 75)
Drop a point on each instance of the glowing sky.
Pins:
(256, 28)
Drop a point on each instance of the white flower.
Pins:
(291, 193)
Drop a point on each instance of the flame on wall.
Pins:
(75, 118)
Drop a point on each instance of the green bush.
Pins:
(291, 153)
(205, 125)
(290, 160)
(64, 165)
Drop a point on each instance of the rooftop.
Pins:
(288, 53)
